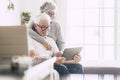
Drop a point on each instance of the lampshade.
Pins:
(10, 5)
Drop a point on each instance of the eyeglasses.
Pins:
(51, 13)
(43, 28)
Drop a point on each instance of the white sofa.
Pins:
(42, 71)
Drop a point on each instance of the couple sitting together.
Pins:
(47, 41)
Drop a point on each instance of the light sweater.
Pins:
(40, 50)
(55, 33)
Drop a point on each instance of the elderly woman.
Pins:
(56, 33)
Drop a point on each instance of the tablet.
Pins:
(70, 52)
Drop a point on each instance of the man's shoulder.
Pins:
(33, 41)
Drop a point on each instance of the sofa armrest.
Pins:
(40, 71)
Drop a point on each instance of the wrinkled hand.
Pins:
(38, 60)
(77, 58)
(60, 60)
(58, 54)
(32, 53)
(47, 45)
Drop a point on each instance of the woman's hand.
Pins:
(47, 45)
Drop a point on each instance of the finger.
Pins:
(49, 47)
(77, 56)
(60, 54)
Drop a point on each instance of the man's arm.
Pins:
(76, 59)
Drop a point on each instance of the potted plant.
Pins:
(25, 17)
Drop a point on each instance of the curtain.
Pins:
(61, 13)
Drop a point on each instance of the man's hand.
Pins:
(32, 53)
(60, 60)
(38, 60)
(47, 45)
(58, 54)
(77, 58)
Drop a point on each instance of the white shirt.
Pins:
(40, 50)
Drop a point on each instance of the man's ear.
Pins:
(35, 26)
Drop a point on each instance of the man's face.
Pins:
(43, 27)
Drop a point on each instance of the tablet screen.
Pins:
(70, 52)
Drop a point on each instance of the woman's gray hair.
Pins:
(48, 6)
(42, 16)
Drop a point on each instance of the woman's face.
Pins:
(51, 13)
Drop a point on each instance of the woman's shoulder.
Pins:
(55, 23)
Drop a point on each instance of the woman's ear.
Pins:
(50, 22)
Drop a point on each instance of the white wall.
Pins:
(12, 17)
(61, 14)
(9, 17)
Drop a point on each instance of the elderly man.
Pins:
(63, 67)
(42, 27)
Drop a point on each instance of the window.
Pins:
(95, 25)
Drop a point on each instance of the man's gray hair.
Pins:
(42, 16)
(48, 6)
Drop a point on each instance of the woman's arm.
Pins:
(60, 38)
(33, 34)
